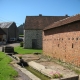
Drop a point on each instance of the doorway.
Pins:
(34, 43)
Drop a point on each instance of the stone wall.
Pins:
(32, 34)
(63, 43)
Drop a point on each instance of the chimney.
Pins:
(66, 15)
(40, 14)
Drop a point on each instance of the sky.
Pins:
(17, 10)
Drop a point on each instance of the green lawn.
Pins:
(6, 71)
(21, 35)
(21, 50)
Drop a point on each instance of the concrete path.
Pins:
(21, 75)
(25, 74)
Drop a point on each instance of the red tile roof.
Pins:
(40, 22)
(63, 22)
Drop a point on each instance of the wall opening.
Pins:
(58, 45)
(72, 38)
(72, 45)
(34, 44)
(68, 38)
(76, 38)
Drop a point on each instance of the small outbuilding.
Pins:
(33, 29)
(61, 40)
(10, 29)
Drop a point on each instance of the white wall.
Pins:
(32, 34)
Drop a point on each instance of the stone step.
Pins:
(41, 68)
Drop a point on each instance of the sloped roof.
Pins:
(2, 32)
(5, 24)
(40, 22)
(63, 22)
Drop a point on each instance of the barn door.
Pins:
(34, 43)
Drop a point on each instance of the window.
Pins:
(72, 45)
(72, 38)
(58, 45)
(68, 38)
(76, 38)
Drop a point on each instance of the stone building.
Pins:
(10, 29)
(33, 29)
(61, 40)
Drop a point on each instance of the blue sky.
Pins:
(17, 10)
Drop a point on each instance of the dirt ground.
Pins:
(49, 64)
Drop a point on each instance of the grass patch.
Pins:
(77, 71)
(6, 71)
(21, 35)
(38, 74)
(21, 50)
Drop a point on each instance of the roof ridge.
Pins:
(7, 22)
(45, 16)
(66, 18)
(62, 21)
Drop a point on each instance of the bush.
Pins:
(20, 57)
(56, 75)
(21, 44)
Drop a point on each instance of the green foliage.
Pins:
(21, 50)
(6, 71)
(76, 71)
(57, 75)
(20, 28)
(21, 44)
(20, 57)
(21, 35)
